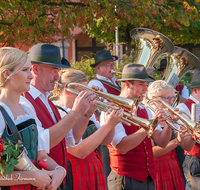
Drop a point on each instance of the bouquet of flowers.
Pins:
(8, 156)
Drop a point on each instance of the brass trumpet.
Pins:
(116, 103)
(191, 127)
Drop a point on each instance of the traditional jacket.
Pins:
(196, 148)
(59, 152)
(137, 163)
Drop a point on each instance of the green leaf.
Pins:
(13, 161)
(9, 151)
(9, 168)
(15, 153)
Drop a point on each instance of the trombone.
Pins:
(117, 103)
(191, 127)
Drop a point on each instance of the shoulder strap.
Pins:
(59, 107)
(16, 136)
(111, 85)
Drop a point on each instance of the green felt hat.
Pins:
(102, 56)
(47, 54)
(135, 71)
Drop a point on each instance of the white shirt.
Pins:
(99, 83)
(183, 107)
(30, 114)
(120, 132)
(34, 92)
(185, 92)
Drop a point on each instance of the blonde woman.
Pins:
(15, 77)
(168, 174)
(85, 167)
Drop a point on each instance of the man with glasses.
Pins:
(104, 64)
(192, 158)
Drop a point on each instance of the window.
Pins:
(87, 47)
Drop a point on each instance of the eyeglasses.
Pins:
(168, 98)
(108, 65)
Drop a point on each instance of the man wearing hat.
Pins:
(191, 164)
(182, 89)
(131, 156)
(46, 63)
(105, 79)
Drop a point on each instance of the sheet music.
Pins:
(195, 112)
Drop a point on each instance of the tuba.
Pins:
(178, 64)
(149, 46)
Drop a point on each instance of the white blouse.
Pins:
(21, 118)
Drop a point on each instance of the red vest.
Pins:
(58, 152)
(109, 88)
(196, 148)
(179, 88)
(137, 163)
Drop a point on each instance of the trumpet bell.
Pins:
(149, 46)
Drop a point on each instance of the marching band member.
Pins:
(168, 173)
(192, 158)
(46, 63)
(131, 155)
(85, 168)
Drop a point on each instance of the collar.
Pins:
(113, 80)
(35, 93)
(194, 99)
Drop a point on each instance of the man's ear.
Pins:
(35, 68)
(6, 74)
(127, 84)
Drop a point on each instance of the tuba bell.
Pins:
(178, 64)
(149, 46)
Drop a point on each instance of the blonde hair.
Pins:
(9, 58)
(157, 87)
(67, 76)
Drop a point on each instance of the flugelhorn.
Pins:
(128, 104)
(125, 103)
(119, 102)
(191, 127)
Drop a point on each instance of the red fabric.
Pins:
(196, 148)
(137, 163)
(179, 88)
(88, 173)
(109, 88)
(59, 152)
(168, 173)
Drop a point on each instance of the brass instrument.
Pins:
(178, 64)
(119, 102)
(114, 72)
(191, 127)
(149, 46)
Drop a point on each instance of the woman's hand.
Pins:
(42, 179)
(57, 178)
(114, 117)
(160, 113)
